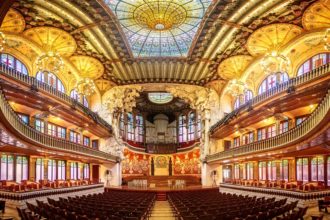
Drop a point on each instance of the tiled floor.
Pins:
(162, 211)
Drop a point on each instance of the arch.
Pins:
(51, 79)
(313, 62)
(76, 96)
(243, 98)
(14, 63)
(272, 81)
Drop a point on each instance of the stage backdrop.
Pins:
(182, 163)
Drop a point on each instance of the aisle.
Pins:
(162, 211)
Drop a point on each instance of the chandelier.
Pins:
(2, 41)
(85, 87)
(236, 87)
(326, 39)
(275, 62)
(50, 61)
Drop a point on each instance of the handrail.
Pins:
(43, 139)
(280, 140)
(282, 87)
(33, 82)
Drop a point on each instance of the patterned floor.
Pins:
(162, 211)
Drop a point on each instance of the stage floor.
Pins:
(161, 189)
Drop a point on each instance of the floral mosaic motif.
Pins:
(135, 163)
(188, 163)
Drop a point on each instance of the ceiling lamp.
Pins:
(2, 41)
(50, 61)
(275, 62)
(85, 86)
(236, 87)
(326, 39)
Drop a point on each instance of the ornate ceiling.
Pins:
(130, 42)
(159, 28)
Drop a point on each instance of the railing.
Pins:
(33, 82)
(162, 148)
(285, 86)
(46, 140)
(281, 140)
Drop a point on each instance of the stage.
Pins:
(160, 191)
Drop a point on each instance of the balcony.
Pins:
(15, 125)
(317, 121)
(37, 85)
(286, 87)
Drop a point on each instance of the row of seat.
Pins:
(213, 205)
(109, 205)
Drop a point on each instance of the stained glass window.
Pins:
(191, 126)
(271, 81)
(160, 97)
(249, 170)
(21, 168)
(284, 170)
(159, 28)
(317, 169)
(75, 95)
(40, 169)
(271, 166)
(139, 130)
(130, 127)
(7, 167)
(313, 63)
(182, 128)
(51, 80)
(51, 170)
(262, 171)
(61, 170)
(86, 171)
(73, 170)
(14, 63)
(302, 169)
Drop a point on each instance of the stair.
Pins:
(162, 211)
(161, 196)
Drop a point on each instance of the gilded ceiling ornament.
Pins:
(275, 62)
(3, 41)
(13, 22)
(88, 67)
(234, 66)
(85, 86)
(271, 38)
(236, 87)
(317, 15)
(199, 98)
(121, 98)
(49, 61)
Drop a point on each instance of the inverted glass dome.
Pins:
(160, 97)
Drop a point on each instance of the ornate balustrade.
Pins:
(283, 87)
(12, 121)
(292, 136)
(38, 85)
(161, 148)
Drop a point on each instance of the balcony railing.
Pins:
(45, 140)
(282, 140)
(161, 148)
(33, 82)
(283, 87)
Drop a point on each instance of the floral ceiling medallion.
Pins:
(157, 28)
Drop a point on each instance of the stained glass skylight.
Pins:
(160, 97)
(159, 27)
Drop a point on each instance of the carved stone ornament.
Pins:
(201, 99)
(121, 98)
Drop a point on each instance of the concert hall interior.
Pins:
(164, 109)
